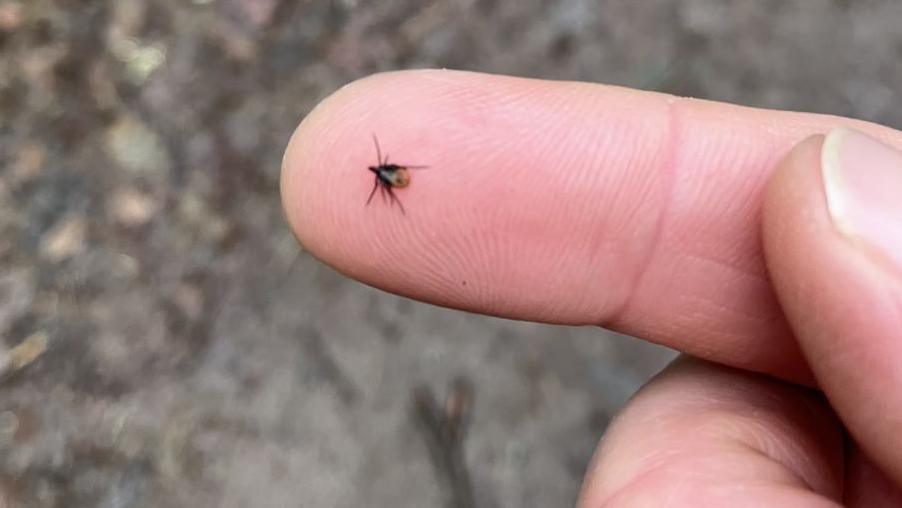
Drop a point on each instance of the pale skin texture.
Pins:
(692, 224)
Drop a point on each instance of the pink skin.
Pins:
(652, 215)
(843, 299)
(557, 202)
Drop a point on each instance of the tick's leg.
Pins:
(372, 192)
(394, 199)
(378, 152)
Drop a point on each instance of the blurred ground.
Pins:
(195, 358)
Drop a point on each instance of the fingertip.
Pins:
(319, 177)
(789, 191)
(484, 226)
(287, 178)
(326, 186)
(299, 181)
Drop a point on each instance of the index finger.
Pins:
(558, 202)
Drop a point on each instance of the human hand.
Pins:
(692, 224)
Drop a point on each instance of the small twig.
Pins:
(444, 430)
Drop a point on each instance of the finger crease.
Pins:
(668, 170)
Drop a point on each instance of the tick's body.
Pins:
(389, 177)
(392, 175)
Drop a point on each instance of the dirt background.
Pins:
(196, 357)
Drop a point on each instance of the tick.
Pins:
(389, 177)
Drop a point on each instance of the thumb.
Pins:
(833, 242)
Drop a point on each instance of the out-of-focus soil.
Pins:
(196, 357)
